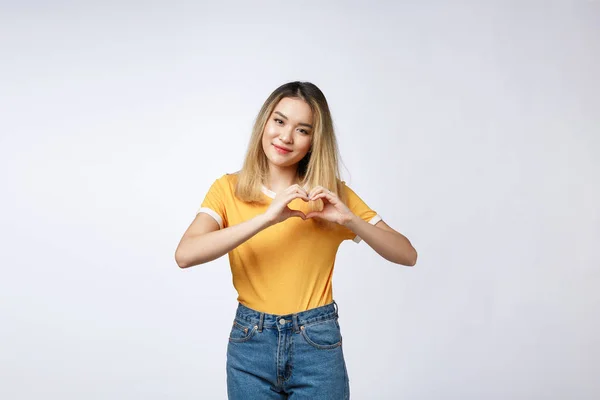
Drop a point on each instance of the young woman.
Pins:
(281, 219)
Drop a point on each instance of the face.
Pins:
(289, 127)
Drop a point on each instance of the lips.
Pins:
(282, 149)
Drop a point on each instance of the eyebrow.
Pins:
(300, 123)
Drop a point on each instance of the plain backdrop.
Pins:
(473, 129)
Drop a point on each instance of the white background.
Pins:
(471, 129)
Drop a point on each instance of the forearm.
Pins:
(207, 247)
(393, 246)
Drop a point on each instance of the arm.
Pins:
(204, 241)
(388, 243)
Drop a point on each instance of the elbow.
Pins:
(182, 262)
(413, 260)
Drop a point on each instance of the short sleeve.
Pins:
(214, 203)
(360, 209)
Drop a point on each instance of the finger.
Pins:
(316, 190)
(296, 195)
(300, 214)
(303, 194)
(292, 188)
(314, 214)
(297, 188)
(323, 195)
(321, 190)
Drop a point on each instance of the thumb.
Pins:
(313, 214)
(296, 213)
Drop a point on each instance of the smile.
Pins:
(281, 151)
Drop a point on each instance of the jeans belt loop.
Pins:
(261, 321)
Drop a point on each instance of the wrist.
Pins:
(347, 219)
(264, 220)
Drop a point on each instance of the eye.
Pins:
(304, 131)
(277, 120)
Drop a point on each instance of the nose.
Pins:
(285, 136)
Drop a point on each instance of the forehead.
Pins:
(294, 109)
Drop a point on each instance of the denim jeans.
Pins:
(295, 356)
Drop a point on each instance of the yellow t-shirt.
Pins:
(287, 267)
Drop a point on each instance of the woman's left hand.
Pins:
(334, 209)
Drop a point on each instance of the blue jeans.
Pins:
(295, 356)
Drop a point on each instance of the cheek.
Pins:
(269, 132)
(306, 145)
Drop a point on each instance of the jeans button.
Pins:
(282, 321)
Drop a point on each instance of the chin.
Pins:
(283, 165)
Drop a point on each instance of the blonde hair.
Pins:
(318, 167)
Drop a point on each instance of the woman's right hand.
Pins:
(279, 211)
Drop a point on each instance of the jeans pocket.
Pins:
(323, 334)
(241, 331)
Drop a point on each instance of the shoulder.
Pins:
(226, 182)
(231, 178)
(352, 197)
(344, 186)
(228, 178)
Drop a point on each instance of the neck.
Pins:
(281, 178)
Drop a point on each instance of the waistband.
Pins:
(294, 320)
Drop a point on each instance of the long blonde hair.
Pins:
(319, 167)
